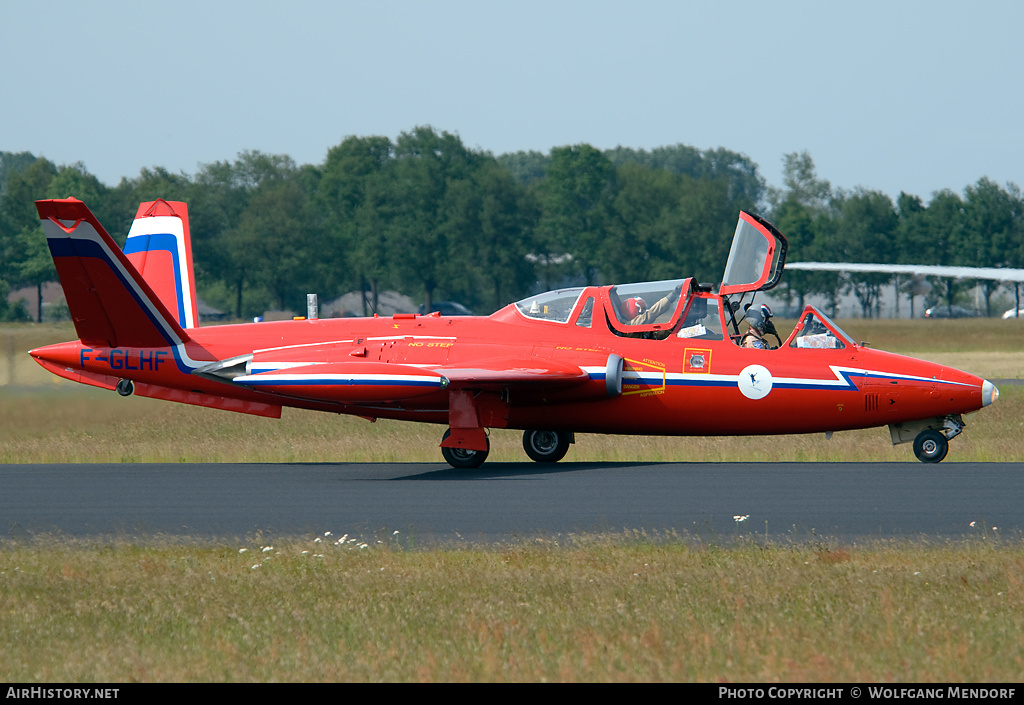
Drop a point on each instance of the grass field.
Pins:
(610, 608)
(599, 608)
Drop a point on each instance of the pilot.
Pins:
(760, 321)
(636, 312)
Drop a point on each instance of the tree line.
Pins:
(427, 216)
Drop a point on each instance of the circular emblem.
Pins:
(755, 382)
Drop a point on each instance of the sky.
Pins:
(892, 95)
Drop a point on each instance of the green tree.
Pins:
(421, 222)
(356, 197)
(273, 244)
(576, 202)
(24, 256)
(227, 237)
(11, 162)
(745, 186)
(993, 229)
(865, 228)
(803, 213)
(487, 223)
(644, 214)
(525, 167)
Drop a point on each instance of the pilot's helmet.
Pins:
(635, 306)
(758, 317)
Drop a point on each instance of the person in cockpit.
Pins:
(760, 321)
(636, 312)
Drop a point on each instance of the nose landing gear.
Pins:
(931, 446)
(931, 437)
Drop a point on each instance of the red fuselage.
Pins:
(673, 386)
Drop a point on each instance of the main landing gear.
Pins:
(463, 458)
(547, 446)
(541, 446)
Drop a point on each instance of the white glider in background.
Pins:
(1003, 274)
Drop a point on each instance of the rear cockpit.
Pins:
(647, 309)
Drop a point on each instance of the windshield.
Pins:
(551, 306)
(816, 330)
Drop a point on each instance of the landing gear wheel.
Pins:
(546, 446)
(930, 446)
(463, 458)
(125, 387)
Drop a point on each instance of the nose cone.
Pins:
(989, 393)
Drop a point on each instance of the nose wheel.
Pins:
(931, 446)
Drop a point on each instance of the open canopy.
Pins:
(756, 258)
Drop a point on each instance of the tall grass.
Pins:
(601, 608)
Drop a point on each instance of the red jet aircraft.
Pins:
(658, 358)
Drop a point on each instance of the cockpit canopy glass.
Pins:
(554, 306)
(755, 258)
(816, 330)
(653, 305)
(703, 320)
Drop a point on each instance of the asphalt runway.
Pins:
(505, 502)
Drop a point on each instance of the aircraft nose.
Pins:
(989, 393)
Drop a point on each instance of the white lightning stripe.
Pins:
(338, 379)
(842, 378)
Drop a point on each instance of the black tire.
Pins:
(125, 387)
(930, 446)
(463, 458)
(546, 446)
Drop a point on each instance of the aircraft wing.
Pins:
(366, 381)
(501, 372)
(997, 273)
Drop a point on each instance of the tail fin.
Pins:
(110, 302)
(160, 247)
